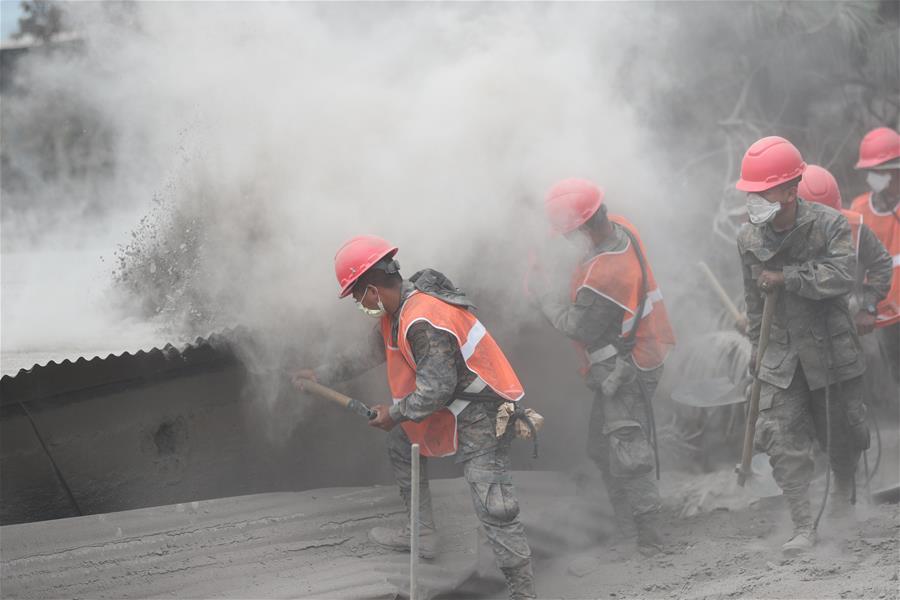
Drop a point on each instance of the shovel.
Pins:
(333, 395)
(743, 470)
(724, 298)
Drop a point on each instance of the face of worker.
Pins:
(580, 238)
(367, 295)
(783, 195)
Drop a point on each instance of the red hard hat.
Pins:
(818, 185)
(769, 162)
(877, 147)
(357, 256)
(571, 202)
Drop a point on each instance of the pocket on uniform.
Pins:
(496, 500)
(778, 349)
(775, 355)
(844, 349)
(630, 453)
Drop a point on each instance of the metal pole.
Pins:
(414, 525)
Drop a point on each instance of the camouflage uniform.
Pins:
(813, 343)
(441, 373)
(874, 269)
(619, 428)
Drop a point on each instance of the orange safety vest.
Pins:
(436, 434)
(886, 227)
(617, 277)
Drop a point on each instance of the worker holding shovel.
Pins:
(614, 311)
(454, 393)
(800, 256)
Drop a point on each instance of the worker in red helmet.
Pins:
(615, 313)
(449, 381)
(873, 263)
(879, 158)
(812, 369)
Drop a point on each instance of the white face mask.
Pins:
(878, 182)
(761, 210)
(375, 313)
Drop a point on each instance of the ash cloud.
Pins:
(233, 147)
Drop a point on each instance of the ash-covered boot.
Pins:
(804, 537)
(649, 542)
(398, 539)
(519, 581)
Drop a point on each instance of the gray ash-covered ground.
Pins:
(737, 554)
(313, 544)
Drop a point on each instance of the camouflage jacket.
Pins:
(591, 319)
(441, 371)
(874, 269)
(812, 325)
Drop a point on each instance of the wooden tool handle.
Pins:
(335, 396)
(743, 470)
(721, 293)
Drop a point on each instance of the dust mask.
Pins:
(375, 313)
(761, 210)
(878, 182)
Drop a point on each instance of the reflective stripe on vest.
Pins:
(437, 434)
(886, 227)
(617, 277)
(478, 348)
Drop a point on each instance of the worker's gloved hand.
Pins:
(383, 418)
(623, 372)
(299, 376)
(751, 368)
(865, 322)
(770, 280)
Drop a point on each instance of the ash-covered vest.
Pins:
(436, 434)
(886, 227)
(617, 277)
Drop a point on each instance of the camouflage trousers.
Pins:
(490, 483)
(619, 444)
(790, 423)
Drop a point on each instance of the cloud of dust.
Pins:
(267, 134)
(243, 143)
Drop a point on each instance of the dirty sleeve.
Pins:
(828, 275)
(876, 268)
(591, 319)
(436, 353)
(752, 296)
(354, 361)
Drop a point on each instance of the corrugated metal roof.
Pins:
(83, 374)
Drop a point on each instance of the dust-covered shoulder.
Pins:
(748, 235)
(827, 216)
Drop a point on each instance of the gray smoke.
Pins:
(230, 148)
